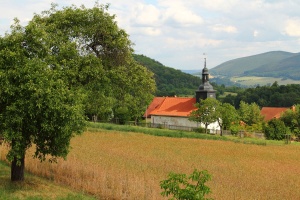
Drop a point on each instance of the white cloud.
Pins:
(292, 27)
(176, 11)
(146, 15)
(224, 28)
(178, 32)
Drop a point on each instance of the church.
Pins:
(174, 111)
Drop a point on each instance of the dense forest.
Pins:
(169, 81)
(271, 96)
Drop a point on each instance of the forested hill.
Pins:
(279, 64)
(170, 81)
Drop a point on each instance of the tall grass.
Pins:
(128, 165)
(34, 188)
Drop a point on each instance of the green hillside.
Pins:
(271, 64)
(285, 68)
(170, 81)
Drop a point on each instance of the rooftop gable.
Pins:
(156, 102)
(175, 106)
(272, 112)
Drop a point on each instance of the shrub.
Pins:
(275, 130)
(200, 130)
(181, 187)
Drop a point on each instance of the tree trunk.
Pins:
(17, 169)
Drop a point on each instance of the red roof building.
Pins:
(172, 106)
(175, 111)
(273, 112)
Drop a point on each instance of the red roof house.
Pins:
(273, 112)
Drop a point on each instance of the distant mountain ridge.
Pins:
(279, 64)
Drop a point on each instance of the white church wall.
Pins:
(181, 121)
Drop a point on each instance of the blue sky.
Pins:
(178, 32)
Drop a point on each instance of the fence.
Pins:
(241, 133)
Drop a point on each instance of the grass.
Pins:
(254, 80)
(34, 188)
(125, 164)
(96, 127)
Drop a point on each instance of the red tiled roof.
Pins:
(154, 104)
(174, 106)
(272, 112)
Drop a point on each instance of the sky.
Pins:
(177, 33)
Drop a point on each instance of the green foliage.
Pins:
(181, 186)
(227, 116)
(63, 65)
(234, 129)
(170, 81)
(153, 131)
(199, 130)
(275, 130)
(250, 114)
(206, 112)
(103, 65)
(291, 119)
(97, 127)
(37, 105)
(271, 96)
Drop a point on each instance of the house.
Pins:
(174, 111)
(274, 112)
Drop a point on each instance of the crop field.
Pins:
(254, 80)
(125, 165)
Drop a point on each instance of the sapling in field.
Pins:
(181, 186)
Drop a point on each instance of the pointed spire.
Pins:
(204, 60)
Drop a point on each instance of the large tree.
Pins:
(36, 105)
(62, 65)
(106, 69)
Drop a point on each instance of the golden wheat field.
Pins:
(120, 165)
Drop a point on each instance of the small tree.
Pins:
(206, 112)
(188, 188)
(227, 116)
(291, 119)
(275, 130)
(250, 114)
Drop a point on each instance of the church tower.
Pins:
(205, 90)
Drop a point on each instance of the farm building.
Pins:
(174, 111)
(274, 112)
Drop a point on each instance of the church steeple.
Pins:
(205, 74)
(205, 90)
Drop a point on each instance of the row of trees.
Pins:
(273, 96)
(247, 117)
(211, 110)
(62, 66)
